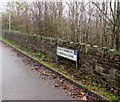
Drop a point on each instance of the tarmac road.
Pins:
(0, 72)
(20, 83)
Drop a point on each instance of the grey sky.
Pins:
(3, 2)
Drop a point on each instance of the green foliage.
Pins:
(39, 54)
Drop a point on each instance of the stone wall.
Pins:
(99, 61)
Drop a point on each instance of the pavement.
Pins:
(18, 82)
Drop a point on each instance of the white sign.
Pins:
(67, 53)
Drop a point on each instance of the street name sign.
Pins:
(68, 54)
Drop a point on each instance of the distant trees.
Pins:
(86, 22)
(111, 19)
(19, 16)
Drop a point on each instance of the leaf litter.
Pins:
(59, 82)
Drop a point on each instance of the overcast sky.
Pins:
(3, 2)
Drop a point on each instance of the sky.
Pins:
(3, 2)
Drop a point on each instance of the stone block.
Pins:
(98, 68)
(94, 50)
(88, 68)
(117, 72)
(87, 48)
(111, 53)
(82, 47)
(97, 73)
(117, 78)
(117, 58)
(105, 77)
(113, 83)
(93, 66)
(105, 71)
(100, 53)
(117, 84)
(87, 63)
(112, 73)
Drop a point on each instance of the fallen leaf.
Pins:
(83, 98)
(46, 82)
(62, 80)
(56, 85)
(36, 68)
(72, 76)
(75, 93)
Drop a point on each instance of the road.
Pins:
(20, 83)
(0, 72)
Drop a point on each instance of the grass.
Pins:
(40, 56)
(1, 38)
